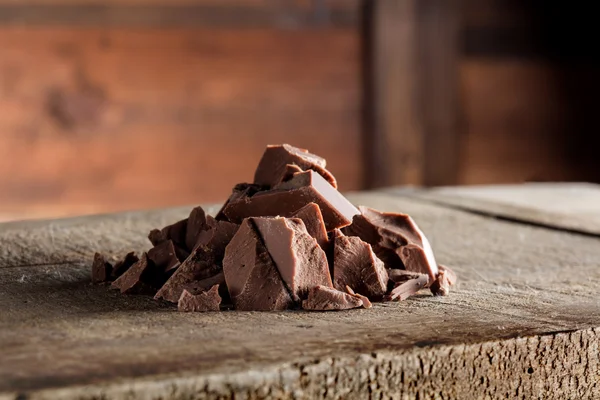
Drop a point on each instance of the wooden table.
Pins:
(523, 322)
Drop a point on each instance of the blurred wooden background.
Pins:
(122, 104)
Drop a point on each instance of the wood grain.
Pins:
(98, 120)
(521, 323)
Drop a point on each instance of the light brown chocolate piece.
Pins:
(355, 265)
(123, 265)
(101, 269)
(239, 191)
(441, 286)
(252, 278)
(272, 167)
(311, 215)
(396, 239)
(133, 280)
(164, 257)
(288, 197)
(364, 299)
(402, 275)
(204, 262)
(404, 290)
(204, 301)
(300, 261)
(323, 298)
(450, 274)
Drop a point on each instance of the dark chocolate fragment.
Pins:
(355, 265)
(239, 191)
(175, 232)
(132, 281)
(441, 285)
(101, 269)
(404, 290)
(195, 226)
(300, 261)
(272, 167)
(396, 240)
(364, 299)
(204, 262)
(303, 188)
(251, 275)
(205, 301)
(164, 257)
(311, 215)
(123, 265)
(450, 274)
(323, 298)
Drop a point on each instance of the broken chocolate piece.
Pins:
(450, 274)
(273, 164)
(195, 226)
(300, 261)
(101, 269)
(311, 215)
(396, 239)
(239, 191)
(355, 265)
(132, 281)
(287, 198)
(288, 173)
(323, 298)
(441, 285)
(364, 299)
(164, 257)
(123, 265)
(205, 301)
(205, 284)
(401, 275)
(204, 262)
(404, 290)
(251, 275)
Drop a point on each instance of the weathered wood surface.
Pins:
(523, 322)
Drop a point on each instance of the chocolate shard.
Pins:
(300, 261)
(441, 285)
(401, 275)
(288, 173)
(205, 284)
(101, 269)
(195, 226)
(288, 197)
(323, 298)
(450, 274)
(355, 265)
(404, 290)
(204, 261)
(132, 281)
(239, 191)
(311, 215)
(330, 248)
(164, 256)
(205, 301)
(251, 275)
(273, 164)
(175, 232)
(396, 239)
(123, 265)
(364, 299)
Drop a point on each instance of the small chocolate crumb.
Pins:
(404, 290)
(450, 274)
(441, 286)
(101, 269)
(204, 301)
(365, 299)
(323, 298)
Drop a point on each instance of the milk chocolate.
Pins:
(441, 285)
(323, 298)
(289, 172)
(195, 226)
(288, 197)
(164, 257)
(396, 239)
(101, 269)
(300, 261)
(239, 191)
(311, 215)
(251, 275)
(204, 261)
(123, 265)
(450, 274)
(273, 164)
(205, 301)
(404, 290)
(133, 282)
(365, 300)
(355, 265)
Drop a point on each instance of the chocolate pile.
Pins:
(289, 240)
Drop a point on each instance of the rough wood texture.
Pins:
(522, 322)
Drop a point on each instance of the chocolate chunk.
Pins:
(251, 275)
(204, 301)
(404, 290)
(401, 275)
(396, 239)
(450, 274)
(195, 226)
(132, 281)
(323, 298)
(240, 191)
(205, 284)
(288, 173)
(101, 269)
(303, 188)
(441, 285)
(355, 265)
(164, 257)
(300, 261)
(364, 299)
(123, 265)
(204, 261)
(311, 215)
(272, 167)
(175, 232)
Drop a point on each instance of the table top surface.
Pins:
(525, 310)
